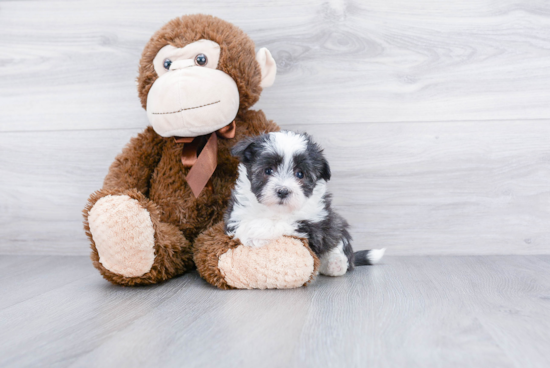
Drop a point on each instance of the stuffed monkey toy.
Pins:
(160, 211)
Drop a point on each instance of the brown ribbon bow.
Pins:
(203, 166)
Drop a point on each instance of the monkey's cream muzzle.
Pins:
(190, 100)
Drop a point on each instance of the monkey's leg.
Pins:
(130, 245)
(224, 262)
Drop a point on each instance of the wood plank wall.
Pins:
(435, 115)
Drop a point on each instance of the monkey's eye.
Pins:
(167, 64)
(201, 60)
(268, 171)
(299, 174)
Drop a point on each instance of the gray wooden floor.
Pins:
(410, 311)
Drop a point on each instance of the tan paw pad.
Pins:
(282, 264)
(123, 234)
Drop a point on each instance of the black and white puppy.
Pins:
(281, 190)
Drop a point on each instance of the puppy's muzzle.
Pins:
(283, 193)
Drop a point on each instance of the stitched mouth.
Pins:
(183, 109)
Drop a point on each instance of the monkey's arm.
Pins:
(132, 169)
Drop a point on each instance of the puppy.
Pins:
(281, 190)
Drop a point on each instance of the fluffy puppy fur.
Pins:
(281, 190)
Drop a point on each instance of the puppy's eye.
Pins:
(299, 174)
(201, 60)
(268, 171)
(167, 64)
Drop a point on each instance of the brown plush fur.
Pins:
(149, 169)
(210, 245)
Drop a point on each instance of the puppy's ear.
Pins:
(316, 153)
(325, 171)
(245, 150)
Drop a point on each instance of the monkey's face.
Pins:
(191, 97)
(198, 72)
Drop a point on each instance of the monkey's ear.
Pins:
(267, 66)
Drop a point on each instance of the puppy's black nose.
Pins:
(282, 193)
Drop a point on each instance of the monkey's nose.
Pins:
(181, 64)
(282, 193)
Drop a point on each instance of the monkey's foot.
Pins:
(283, 263)
(130, 244)
(123, 234)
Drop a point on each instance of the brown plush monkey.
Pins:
(159, 212)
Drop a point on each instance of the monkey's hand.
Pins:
(284, 263)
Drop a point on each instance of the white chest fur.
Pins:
(256, 224)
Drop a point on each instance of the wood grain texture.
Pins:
(434, 115)
(461, 188)
(73, 65)
(46, 179)
(476, 311)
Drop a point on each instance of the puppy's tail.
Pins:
(368, 257)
